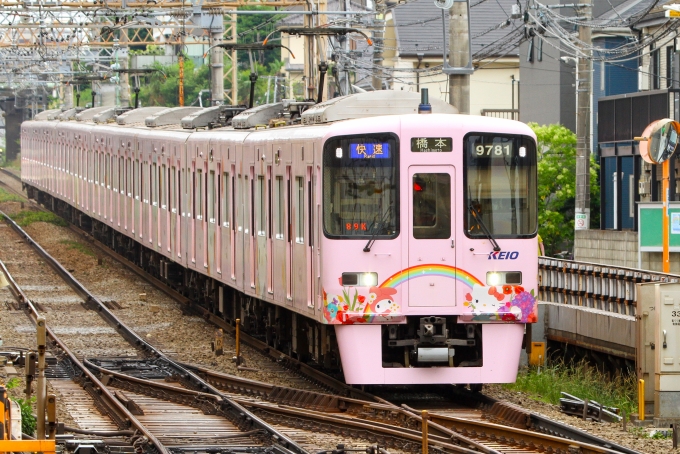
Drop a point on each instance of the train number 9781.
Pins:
(493, 150)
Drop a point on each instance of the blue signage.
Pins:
(369, 150)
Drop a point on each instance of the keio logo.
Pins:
(511, 255)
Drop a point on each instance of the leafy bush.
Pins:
(28, 420)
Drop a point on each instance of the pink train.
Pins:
(357, 235)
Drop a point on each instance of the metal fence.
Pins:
(597, 286)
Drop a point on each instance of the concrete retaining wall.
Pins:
(608, 247)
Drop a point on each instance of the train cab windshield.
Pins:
(361, 186)
(500, 186)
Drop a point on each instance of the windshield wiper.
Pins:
(377, 228)
(478, 217)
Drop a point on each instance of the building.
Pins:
(414, 46)
(626, 180)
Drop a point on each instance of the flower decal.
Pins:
(501, 303)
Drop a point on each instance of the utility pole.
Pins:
(459, 65)
(343, 70)
(216, 61)
(378, 35)
(583, 109)
(310, 86)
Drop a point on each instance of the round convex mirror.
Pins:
(663, 140)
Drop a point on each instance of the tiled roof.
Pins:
(420, 22)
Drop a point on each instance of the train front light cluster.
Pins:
(365, 279)
(494, 278)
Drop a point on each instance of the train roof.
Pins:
(288, 112)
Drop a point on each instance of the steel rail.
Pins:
(375, 428)
(491, 431)
(329, 403)
(95, 304)
(113, 407)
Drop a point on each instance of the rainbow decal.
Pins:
(415, 272)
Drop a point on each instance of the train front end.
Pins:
(429, 253)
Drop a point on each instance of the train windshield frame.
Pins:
(361, 186)
(500, 178)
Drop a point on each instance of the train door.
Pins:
(173, 208)
(127, 222)
(212, 195)
(279, 234)
(261, 230)
(431, 256)
(185, 205)
(154, 201)
(136, 219)
(146, 191)
(200, 227)
(154, 187)
(224, 221)
(300, 238)
(239, 258)
(166, 203)
(250, 245)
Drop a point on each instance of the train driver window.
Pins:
(500, 185)
(431, 206)
(361, 186)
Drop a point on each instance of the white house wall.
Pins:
(490, 87)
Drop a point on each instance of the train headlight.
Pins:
(359, 279)
(494, 278)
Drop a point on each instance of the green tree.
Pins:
(162, 87)
(557, 187)
(253, 28)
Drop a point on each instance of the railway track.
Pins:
(234, 416)
(357, 412)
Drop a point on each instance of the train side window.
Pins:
(205, 197)
(225, 199)
(116, 176)
(128, 186)
(162, 186)
(107, 171)
(172, 189)
(211, 197)
(300, 210)
(431, 206)
(261, 208)
(154, 185)
(218, 192)
(146, 187)
(137, 178)
(199, 194)
(121, 174)
(280, 207)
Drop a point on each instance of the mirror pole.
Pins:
(666, 168)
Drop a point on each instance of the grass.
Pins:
(8, 197)
(26, 218)
(15, 163)
(580, 380)
(78, 247)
